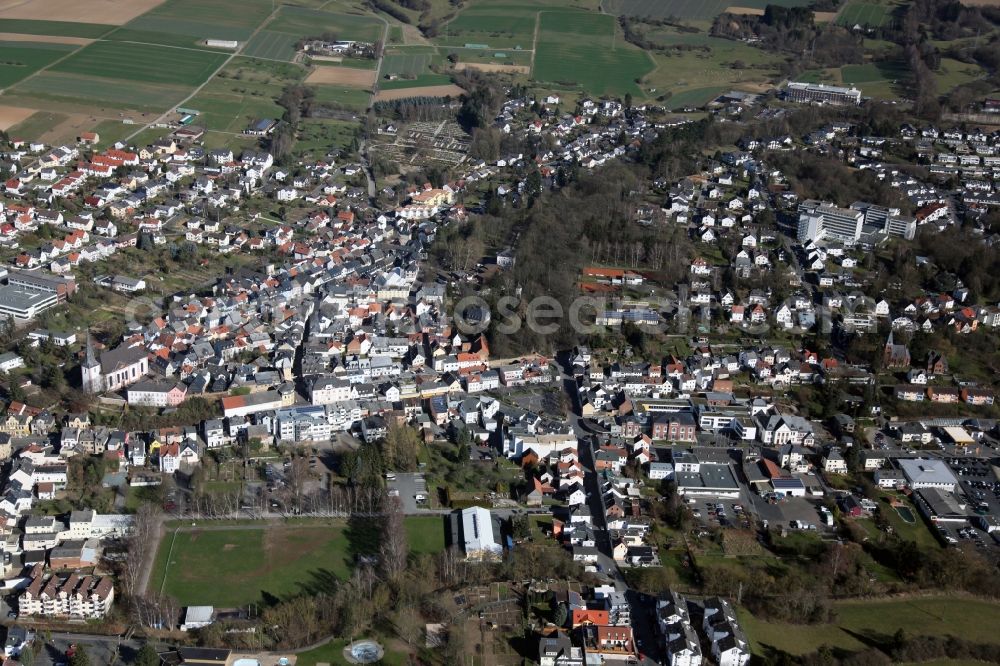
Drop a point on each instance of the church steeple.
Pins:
(90, 370)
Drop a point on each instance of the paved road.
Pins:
(591, 481)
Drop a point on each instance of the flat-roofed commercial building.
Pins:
(798, 91)
(23, 304)
(711, 480)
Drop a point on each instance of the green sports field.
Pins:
(21, 59)
(865, 14)
(144, 63)
(237, 566)
(234, 566)
(578, 49)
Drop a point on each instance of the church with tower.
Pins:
(116, 368)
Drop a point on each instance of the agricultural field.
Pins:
(19, 60)
(578, 50)
(302, 22)
(54, 28)
(186, 22)
(406, 63)
(418, 82)
(272, 46)
(280, 35)
(74, 11)
(859, 620)
(865, 14)
(687, 9)
(240, 565)
(91, 92)
(145, 63)
(342, 76)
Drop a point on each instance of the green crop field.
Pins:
(406, 64)
(493, 20)
(582, 50)
(303, 22)
(865, 14)
(55, 28)
(193, 20)
(100, 92)
(271, 45)
(144, 63)
(503, 25)
(687, 9)
(858, 620)
(234, 567)
(21, 59)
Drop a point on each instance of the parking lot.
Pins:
(409, 487)
(978, 482)
(717, 511)
(801, 510)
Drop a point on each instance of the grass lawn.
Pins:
(425, 533)
(352, 99)
(856, 620)
(955, 73)
(111, 131)
(917, 530)
(584, 50)
(696, 76)
(317, 136)
(238, 566)
(233, 111)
